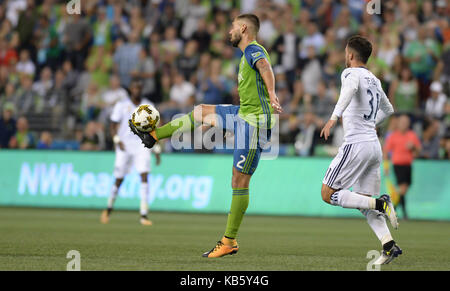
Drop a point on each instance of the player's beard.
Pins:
(235, 42)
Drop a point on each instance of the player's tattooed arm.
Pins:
(265, 70)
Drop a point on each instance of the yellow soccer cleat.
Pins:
(223, 247)
(146, 222)
(389, 210)
(105, 217)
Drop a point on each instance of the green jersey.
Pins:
(255, 102)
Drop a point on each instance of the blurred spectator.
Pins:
(286, 46)
(100, 64)
(7, 54)
(90, 103)
(171, 42)
(25, 65)
(126, 58)
(56, 98)
(435, 105)
(26, 22)
(145, 71)
(181, 97)
(213, 88)
(422, 55)
(311, 72)
(71, 76)
(442, 72)
(102, 29)
(323, 102)
(194, 11)
(314, 39)
(42, 88)
(25, 97)
(169, 18)
(308, 125)
(404, 92)
(114, 94)
(45, 141)
(23, 139)
(187, 62)
(445, 146)
(202, 36)
(13, 9)
(7, 125)
(267, 29)
(77, 37)
(9, 95)
(430, 141)
(91, 140)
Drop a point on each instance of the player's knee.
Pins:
(239, 180)
(326, 194)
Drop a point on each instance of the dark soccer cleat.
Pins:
(389, 211)
(388, 255)
(147, 139)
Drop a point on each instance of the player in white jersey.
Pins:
(129, 151)
(362, 105)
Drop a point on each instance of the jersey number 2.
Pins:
(373, 113)
(239, 164)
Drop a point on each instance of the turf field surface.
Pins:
(39, 239)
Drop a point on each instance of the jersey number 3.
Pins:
(373, 113)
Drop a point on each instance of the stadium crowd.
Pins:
(72, 68)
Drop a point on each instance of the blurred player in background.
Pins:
(252, 123)
(129, 152)
(402, 145)
(362, 105)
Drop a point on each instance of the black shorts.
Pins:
(403, 174)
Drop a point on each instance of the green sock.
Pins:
(182, 124)
(239, 205)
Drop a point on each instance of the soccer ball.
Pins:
(145, 118)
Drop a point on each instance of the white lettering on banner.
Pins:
(28, 179)
(72, 179)
(62, 179)
(189, 187)
(88, 184)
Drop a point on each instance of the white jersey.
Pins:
(359, 103)
(121, 113)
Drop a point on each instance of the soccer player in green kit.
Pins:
(252, 123)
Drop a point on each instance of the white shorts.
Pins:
(138, 156)
(356, 166)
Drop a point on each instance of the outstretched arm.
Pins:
(265, 70)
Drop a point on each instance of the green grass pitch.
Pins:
(39, 239)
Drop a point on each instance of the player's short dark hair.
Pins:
(361, 46)
(252, 18)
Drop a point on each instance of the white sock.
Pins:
(112, 197)
(378, 224)
(349, 199)
(144, 198)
